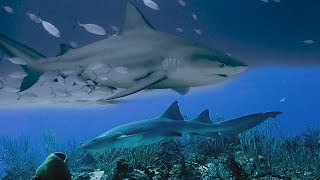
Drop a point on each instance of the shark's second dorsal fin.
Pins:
(64, 49)
(203, 117)
(134, 19)
(173, 112)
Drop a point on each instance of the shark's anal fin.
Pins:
(140, 85)
(134, 19)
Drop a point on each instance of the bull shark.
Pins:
(153, 60)
(171, 124)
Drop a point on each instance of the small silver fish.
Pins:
(27, 96)
(115, 28)
(68, 72)
(122, 70)
(103, 76)
(95, 66)
(11, 89)
(74, 44)
(8, 9)
(198, 31)
(61, 80)
(91, 83)
(16, 60)
(179, 29)
(80, 82)
(93, 28)
(308, 41)
(195, 17)
(51, 29)
(151, 4)
(18, 75)
(33, 17)
(182, 3)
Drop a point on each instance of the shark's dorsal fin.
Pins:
(173, 112)
(203, 117)
(134, 19)
(64, 49)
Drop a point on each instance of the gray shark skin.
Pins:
(154, 60)
(169, 125)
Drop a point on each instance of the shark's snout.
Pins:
(240, 69)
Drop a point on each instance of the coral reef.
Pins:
(257, 154)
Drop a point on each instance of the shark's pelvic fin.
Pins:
(182, 91)
(238, 125)
(173, 112)
(64, 48)
(15, 49)
(134, 19)
(203, 117)
(140, 85)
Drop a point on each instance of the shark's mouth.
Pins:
(220, 75)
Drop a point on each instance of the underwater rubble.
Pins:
(256, 154)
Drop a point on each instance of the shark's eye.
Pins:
(221, 65)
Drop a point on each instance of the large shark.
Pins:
(151, 60)
(169, 125)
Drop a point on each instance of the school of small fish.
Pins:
(70, 87)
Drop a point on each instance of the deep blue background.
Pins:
(262, 34)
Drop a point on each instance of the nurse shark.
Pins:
(170, 125)
(150, 60)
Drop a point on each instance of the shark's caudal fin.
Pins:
(238, 125)
(134, 19)
(15, 49)
(231, 127)
(173, 112)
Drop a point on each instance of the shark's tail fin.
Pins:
(238, 125)
(14, 49)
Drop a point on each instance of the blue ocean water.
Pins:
(253, 31)
(268, 36)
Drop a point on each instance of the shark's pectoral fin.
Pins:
(140, 85)
(211, 135)
(31, 79)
